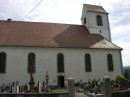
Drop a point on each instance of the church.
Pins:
(63, 50)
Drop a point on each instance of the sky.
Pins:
(69, 12)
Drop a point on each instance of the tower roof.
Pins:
(94, 8)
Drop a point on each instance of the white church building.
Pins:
(63, 50)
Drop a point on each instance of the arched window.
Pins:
(110, 62)
(87, 62)
(2, 62)
(99, 20)
(31, 63)
(84, 20)
(60, 63)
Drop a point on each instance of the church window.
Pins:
(100, 31)
(87, 62)
(84, 20)
(2, 62)
(110, 62)
(99, 20)
(60, 63)
(31, 63)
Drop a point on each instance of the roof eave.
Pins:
(59, 47)
(97, 11)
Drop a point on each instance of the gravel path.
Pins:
(80, 95)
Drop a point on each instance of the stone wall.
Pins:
(35, 95)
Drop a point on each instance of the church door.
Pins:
(61, 81)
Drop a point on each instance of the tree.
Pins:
(126, 75)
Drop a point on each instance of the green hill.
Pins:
(126, 68)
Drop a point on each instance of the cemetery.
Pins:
(120, 87)
(31, 89)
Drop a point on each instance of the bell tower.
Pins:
(95, 18)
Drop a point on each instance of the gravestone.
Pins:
(47, 80)
(40, 87)
(14, 85)
(107, 86)
(71, 87)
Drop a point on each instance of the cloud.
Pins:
(15, 9)
(120, 13)
(126, 52)
(120, 31)
(120, 25)
(9, 10)
(58, 11)
(121, 37)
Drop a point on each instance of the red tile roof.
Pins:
(14, 33)
(94, 8)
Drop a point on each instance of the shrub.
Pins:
(54, 91)
(77, 84)
(120, 78)
(121, 81)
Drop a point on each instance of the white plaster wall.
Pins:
(91, 23)
(104, 32)
(46, 60)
